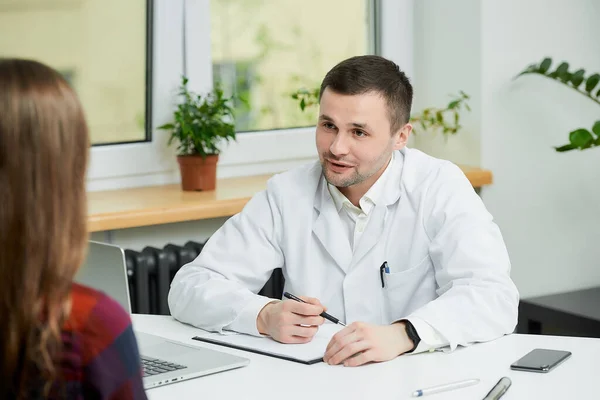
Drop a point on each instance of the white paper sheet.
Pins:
(306, 352)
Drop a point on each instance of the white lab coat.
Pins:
(448, 263)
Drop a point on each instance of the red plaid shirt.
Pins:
(100, 358)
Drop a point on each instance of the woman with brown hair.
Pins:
(58, 339)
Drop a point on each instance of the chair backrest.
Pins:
(274, 286)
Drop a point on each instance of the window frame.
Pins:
(147, 81)
(116, 166)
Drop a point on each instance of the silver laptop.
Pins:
(164, 361)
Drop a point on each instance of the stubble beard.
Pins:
(342, 181)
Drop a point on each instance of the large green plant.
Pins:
(201, 123)
(587, 86)
(446, 119)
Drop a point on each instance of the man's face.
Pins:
(354, 139)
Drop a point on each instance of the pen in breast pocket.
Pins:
(384, 268)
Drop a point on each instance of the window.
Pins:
(174, 54)
(264, 50)
(100, 47)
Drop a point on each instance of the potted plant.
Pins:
(445, 118)
(581, 138)
(200, 125)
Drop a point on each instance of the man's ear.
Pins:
(401, 137)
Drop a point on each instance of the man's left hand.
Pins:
(360, 343)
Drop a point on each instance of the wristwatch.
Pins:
(412, 334)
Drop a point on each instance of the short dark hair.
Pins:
(364, 74)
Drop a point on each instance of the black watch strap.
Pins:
(412, 334)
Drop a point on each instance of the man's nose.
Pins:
(340, 145)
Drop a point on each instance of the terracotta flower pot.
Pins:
(198, 173)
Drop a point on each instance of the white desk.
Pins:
(268, 378)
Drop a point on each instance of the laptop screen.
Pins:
(105, 270)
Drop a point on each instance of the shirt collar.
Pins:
(369, 199)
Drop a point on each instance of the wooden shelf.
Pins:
(155, 205)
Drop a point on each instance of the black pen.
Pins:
(383, 269)
(323, 314)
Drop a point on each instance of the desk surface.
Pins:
(267, 377)
(154, 205)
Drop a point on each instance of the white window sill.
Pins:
(149, 164)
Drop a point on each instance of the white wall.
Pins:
(542, 200)
(545, 202)
(447, 58)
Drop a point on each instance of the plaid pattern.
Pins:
(100, 358)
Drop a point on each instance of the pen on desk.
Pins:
(323, 314)
(445, 387)
(499, 389)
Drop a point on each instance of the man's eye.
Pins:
(327, 125)
(360, 133)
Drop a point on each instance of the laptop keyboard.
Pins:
(154, 366)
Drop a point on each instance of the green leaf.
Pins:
(577, 77)
(562, 67)
(581, 138)
(545, 65)
(591, 82)
(561, 71)
(453, 104)
(530, 69)
(596, 128)
(439, 117)
(302, 104)
(166, 127)
(565, 77)
(564, 148)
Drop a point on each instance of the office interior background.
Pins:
(126, 59)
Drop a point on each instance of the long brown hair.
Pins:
(43, 234)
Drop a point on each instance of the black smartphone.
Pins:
(540, 360)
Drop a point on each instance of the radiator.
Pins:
(150, 272)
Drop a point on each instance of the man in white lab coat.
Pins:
(393, 242)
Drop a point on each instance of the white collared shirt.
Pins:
(355, 219)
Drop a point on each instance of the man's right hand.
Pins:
(283, 320)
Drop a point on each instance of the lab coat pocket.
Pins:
(409, 289)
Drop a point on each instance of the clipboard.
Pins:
(257, 351)
(307, 353)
